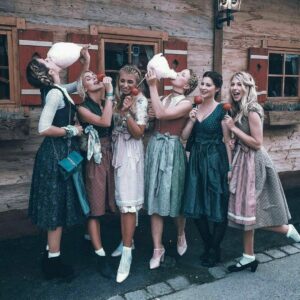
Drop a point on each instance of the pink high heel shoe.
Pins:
(181, 244)
(160, 256)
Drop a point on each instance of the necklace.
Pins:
(175, 92)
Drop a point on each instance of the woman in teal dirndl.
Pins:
(206, 187)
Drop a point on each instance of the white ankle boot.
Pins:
(293, 233)
(118, 250)
(125, 263)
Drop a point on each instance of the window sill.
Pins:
(282, 118)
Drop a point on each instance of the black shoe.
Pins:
(215, 256)
(55, 268)
(239, 267)
(104, 268)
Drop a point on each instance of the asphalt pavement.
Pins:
(21, 277)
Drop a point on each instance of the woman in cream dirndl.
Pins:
(130, 118)
(165, 160)
(99, 174)
(257, 198)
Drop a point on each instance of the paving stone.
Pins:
(297, 245)
(139, 294)
(217, 272)
(178, 283)
(289, 249)
(159, 289)
(117, 297)
(275, 253)
(262, 258)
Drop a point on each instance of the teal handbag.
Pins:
(69, 165)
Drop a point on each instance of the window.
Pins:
(4, 68)
(284, 75)
(9, 75)
(118, 54)
(121, 46)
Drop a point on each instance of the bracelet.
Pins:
(110, 98)
(109, 94)
(230, 168)
(70, 131)
(128, 115)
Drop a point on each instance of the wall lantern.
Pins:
(226, 8)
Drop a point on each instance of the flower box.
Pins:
(282, 118)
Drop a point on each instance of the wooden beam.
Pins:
(217, 43)
(133, 32)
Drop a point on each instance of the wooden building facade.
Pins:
(263, 38)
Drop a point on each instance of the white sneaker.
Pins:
(293, 233)
(118, 251)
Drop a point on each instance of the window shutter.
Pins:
(31, 41)
(75, 69)
(175, 52)
(258, 68)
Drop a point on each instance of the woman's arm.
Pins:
(137, 131)
(161, 112)
(105, 119)
(135, 127)
(255, 139)
(227, 139)
(189, 125)
(45, 128)
(91, 118)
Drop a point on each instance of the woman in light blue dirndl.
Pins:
(165, 160)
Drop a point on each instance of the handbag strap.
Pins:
(68, 138)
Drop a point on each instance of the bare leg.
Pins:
(280, 229)
(157, 225)
(94, 232)
(249, 242)
(54, 238)
(128, 222)
(180, 223)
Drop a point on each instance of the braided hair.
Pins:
(37, 74)
(192, 82)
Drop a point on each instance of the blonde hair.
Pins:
(129, 69)
(248, 102)
(80, 88)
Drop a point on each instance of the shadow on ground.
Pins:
(21, 278)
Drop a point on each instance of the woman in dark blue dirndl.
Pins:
(53, 201)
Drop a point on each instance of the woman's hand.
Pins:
(79, 129)
(231, 144)
(193, 114)
(85, 55)
(229, 122)
(107, 82)
(128, 101)
(151, 113)
(151, 78)
(229, 176)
